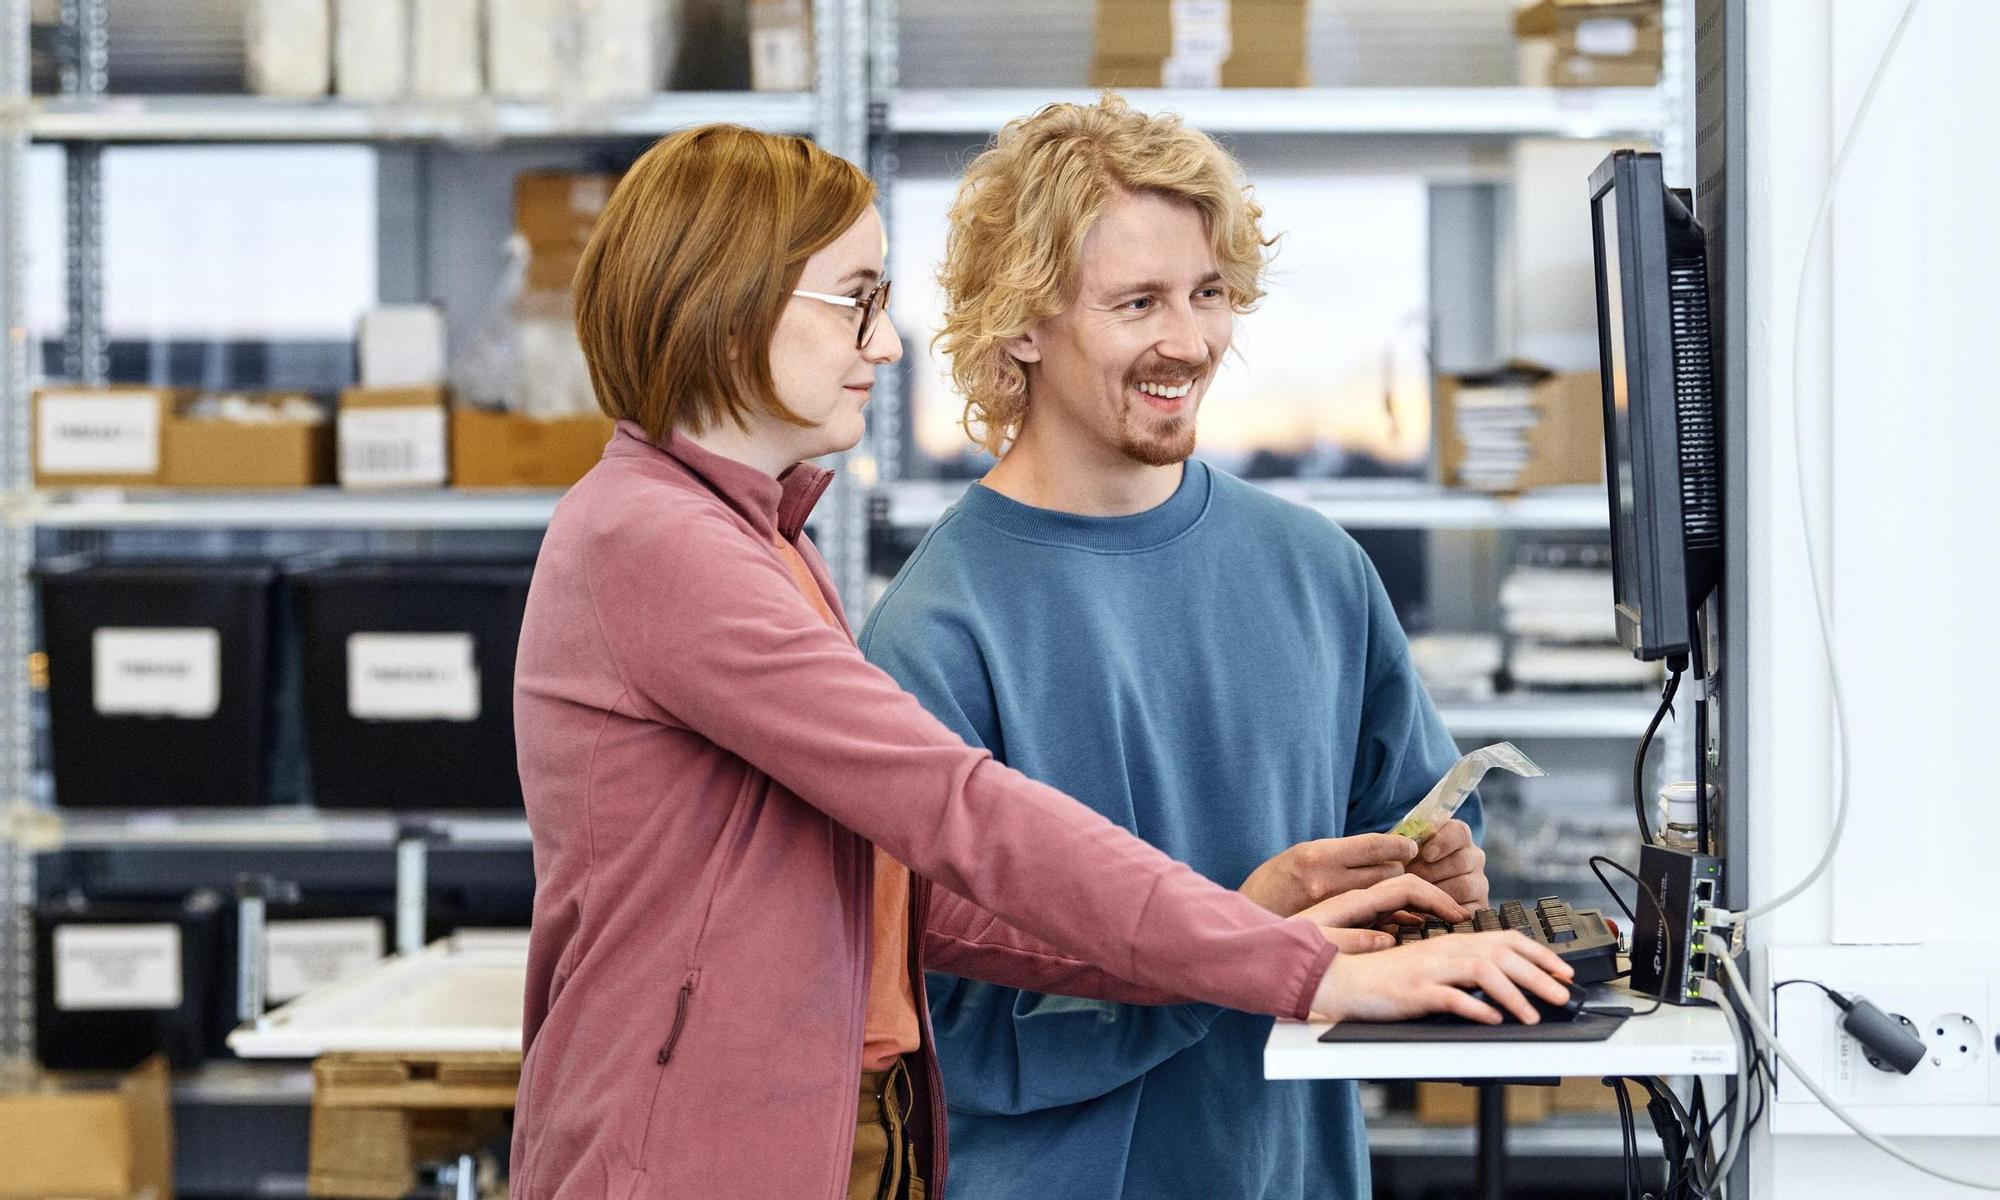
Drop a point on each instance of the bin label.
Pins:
(306, 954)
(156, 672)
(392, 447)
(117, 968)
(412, 677)
(108, 434)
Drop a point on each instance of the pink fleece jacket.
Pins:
(706, 764)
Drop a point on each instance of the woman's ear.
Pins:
(1023, 348)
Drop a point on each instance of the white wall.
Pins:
(1900, 394)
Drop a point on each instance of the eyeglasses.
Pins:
(872, 306)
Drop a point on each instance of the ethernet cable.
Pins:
(1724, 917)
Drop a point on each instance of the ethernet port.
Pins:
(1704, 891)
(1698, 964)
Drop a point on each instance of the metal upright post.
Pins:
(17, 972)
(841, 125)
(887, 412)
(85, 72)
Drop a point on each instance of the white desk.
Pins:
(459, 993)
(1672, 1041)
(1668, 1041)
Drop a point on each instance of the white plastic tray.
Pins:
(460, 993)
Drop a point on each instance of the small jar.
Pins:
(1680, 820)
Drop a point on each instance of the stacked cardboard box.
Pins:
(1589, 43)
(1517, 428)
(1200, 43)
(90, 1138)
(554, 212)
(171, 437)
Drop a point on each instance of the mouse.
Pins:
(1569, 1010)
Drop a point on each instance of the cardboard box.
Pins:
(556, 211)
(1563, 434)
(219, 452)
(781, 45)
(1458, 1104)
(507, 450)
(1589, 43)
(102, 436)
(401, 346)
(90, 1138)
(393, 438)
(1589, 1095)
(1200, 43)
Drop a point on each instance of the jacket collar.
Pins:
(773, 506)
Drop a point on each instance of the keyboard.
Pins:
(1580, 936)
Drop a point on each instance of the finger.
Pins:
(1469, 890)
(1357, 941)
(1466, 860)
(1364, 849)
(1409, 893)
(1530, 977)
(1355, 878)
(1458, 1003)
(1504, 992)
(1543, 957)
(1403, 917)
(1448, 838)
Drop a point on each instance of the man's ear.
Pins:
(1024, 348)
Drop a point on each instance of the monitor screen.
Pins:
(1618, 471)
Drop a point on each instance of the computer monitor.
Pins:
(1662, 458)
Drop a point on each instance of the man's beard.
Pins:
(1162, 445)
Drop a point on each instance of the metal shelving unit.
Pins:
(858, 110)
(238, 119)
(1355, 504)
(1467, 112)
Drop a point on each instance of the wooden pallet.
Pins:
(377, 1117)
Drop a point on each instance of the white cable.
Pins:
(1806, 273)
(1739, 1124)
(1770, 1039)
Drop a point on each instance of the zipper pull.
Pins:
(680, 1019)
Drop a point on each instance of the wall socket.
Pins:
(1951, 995)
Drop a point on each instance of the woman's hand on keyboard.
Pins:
(1432, 976)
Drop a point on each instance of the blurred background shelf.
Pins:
(1383, 111)
(314, 508)
(83, 829)
(259, 119)
(1349, 503)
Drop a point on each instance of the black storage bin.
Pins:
(409, 683)
(106, 992)
(319, 934)
(159, 692)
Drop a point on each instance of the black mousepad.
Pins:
(1588, 1027)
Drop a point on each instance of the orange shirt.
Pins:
(890, 1027)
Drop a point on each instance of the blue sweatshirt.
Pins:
(1222, 675)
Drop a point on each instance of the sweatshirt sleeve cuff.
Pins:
(1315, 971)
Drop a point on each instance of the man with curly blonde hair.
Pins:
(1211, 667)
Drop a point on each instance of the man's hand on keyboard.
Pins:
(1432, 976)
(1451, 860)
(1302, 876)
(1402, 900)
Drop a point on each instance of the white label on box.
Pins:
(99, 435)
(1607, 37)
(302, 955)
(778, 60)
(116, 968)
(156, 672)
(392, 447)
(412, 677)
(1201, 31)
(1203, 72)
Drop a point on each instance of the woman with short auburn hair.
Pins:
(748, 842)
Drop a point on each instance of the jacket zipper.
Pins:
(680, 1019)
